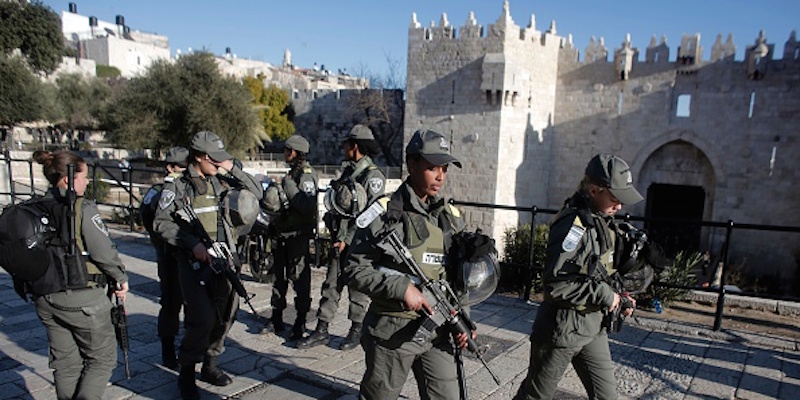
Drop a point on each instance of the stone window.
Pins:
(489, 97)
(684, 106)
(752, 104)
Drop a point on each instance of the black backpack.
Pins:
(34, 247)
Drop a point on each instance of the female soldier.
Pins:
(83, 349)
(209, 306)
(426, 224)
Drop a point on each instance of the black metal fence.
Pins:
(124, 177)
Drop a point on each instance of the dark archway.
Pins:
(677, 202)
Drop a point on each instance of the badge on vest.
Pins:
(434, 258)
(166, 199)
(573, 238)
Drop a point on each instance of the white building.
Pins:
(113, 44)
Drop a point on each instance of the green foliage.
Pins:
(80, 100)
(274, 109)
(680, 273)
(34, 29)
(103, 189)
(173, 101)
(107, 71)
(21, 93)
(517, 245)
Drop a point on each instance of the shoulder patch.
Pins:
(309, 187)
(373, 211)
(307, 170)
(167, 196)
(454, 210)
(99, 224)
(151, 193)
(375, 185)
(573, 237)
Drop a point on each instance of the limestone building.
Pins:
(713, 139)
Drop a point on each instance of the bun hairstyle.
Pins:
(54, 165)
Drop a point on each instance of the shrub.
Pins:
(680, 273)
(516, 250)
(103, 188)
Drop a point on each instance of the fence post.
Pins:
(10, 177)
(30, 174)
(530, 274)
(94, 181)
(130, 198)
(723, 273)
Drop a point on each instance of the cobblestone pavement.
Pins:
(653, 359)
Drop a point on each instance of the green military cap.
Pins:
(433, 147)
(360, 132)
(297, 142)
(613, 173)
(177, 156)
(209, 143)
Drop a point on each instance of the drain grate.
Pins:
(290, 385)
(491, 346)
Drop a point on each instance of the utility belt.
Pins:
(581, 309)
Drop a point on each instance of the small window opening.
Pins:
(489, 97)
(752, 104)
(619, 103)
(453, 93)
(684, 105)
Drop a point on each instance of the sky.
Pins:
(361, 35)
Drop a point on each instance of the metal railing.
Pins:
(729, 227)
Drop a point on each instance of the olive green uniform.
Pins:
(426, 229)
(372, 179)
(295, 234)
(210, 309)
(568, 327)
(83, 349)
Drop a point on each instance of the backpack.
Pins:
(34, 247)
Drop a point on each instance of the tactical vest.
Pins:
(429, 253)
(206, 206)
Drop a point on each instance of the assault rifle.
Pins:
(222, 259)
(441, 298)
(119, 318)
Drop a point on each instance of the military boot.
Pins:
(212, 374)
(274, 324)
(353, 338)
(187, 384)
(168, 358)
(320, 336)
(299, 327)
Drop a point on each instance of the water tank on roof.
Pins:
(92, 21)
(120, 20)
(73, 8)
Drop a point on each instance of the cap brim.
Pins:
(221, 155)
(441, 159)
(627, 196)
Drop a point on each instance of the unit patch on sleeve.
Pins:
(573, 238)
(375, 185)
(99, 224)
(308, 188)
(167, 196)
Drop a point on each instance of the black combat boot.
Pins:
(353, 338)
(275, 323)
(320, 336)
(187, 384)
(168, 358)
(211, 373)
(299, 327)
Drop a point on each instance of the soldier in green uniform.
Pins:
(580, 258)
(359, 148)
(294, 227)
(426, 223)
(83, 349)
(171, 298)
(209, 306)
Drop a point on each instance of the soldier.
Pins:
(171, 298)
(209, 305)
(580, 259)
(359, 148)
(426, 223)
(295, 227)
(83, 349)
